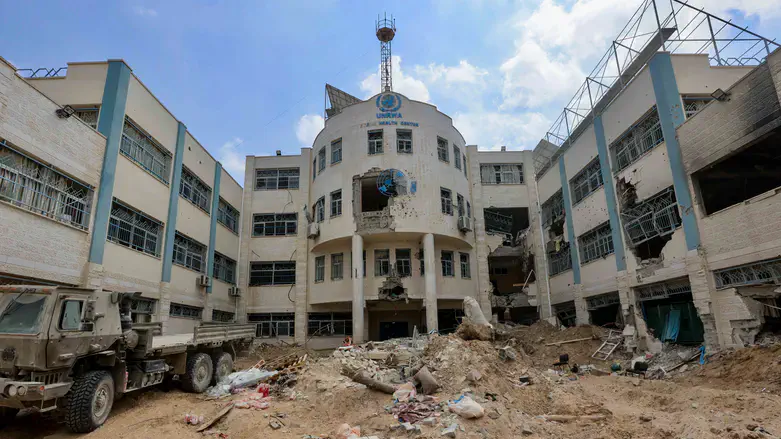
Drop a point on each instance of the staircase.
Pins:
(613, 340)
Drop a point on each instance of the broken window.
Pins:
(457, 156)
(442, 151)
(321, 157)
(403, 262)
(466, 272)
(404, 141)
(336, 151)
(446, 197)
(337, 266)
(447, 264)
(648, 224)
(553, 209)
(273, 324)
(336, 203)
(669, 311)
(566, 313)
(605, 309)
(375, 142)
(501, 173)
(319, 210)
(319, 268)
(372, 200)
(638, 139)
(561, 260)
(330, 324)
(750, 172)
(507, 221)
(381, 262)
(757, 273)
(586, 181)
(596, 243)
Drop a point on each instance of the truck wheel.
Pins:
(89, 401)
(7, 415)
(223, 366)
(199, 373)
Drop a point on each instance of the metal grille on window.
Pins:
(596, 243)
(421, 256)
(222, 316)
(330, 324)
(642, 137)
(602, 300)
(337, 266)
(321, 157)
(693, 106)
(274, 224)
(195, 190)
(560, 262)
(228, 216)
(272, 273)
(33, 186)
(143, 150)
(133, 229)
(663, 290)
(142, 306)
(269, 325)
(375, 142)
(189, 253)
(320, 210)
(273, 179)
(442, 151)
(466, 272)
(657, 216)
(457, 156)
(447, 200)
(757, 273)
(319, 268)
(185, 311)
(336, 203)
(460, 205)
(586, 181)
(553, 209)
(447, 264)
(381, 262)
(88, 116)
(404, 141)
(464, 157)
(403, 262)
(501, 173)
(336, 151)
(224, 268)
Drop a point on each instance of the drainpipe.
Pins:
(542, 240)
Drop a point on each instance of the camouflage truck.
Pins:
(76, 350)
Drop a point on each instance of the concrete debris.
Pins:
(473, 376)
(450, 431)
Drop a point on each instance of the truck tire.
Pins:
(89, 401)
(223, 366)
(7, 415)
(199, 373)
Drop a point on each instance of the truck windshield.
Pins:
(20, 313)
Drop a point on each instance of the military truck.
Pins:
(76, 350)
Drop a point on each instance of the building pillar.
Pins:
(581, 312)
(163, 311)
(610, 195)
(213, 223)
(581, 308)
(430, 278)
(358, 299)
(696, 268)
(537, 237)
(173, 205)
(484, 288)
(671, 116)
(110, 124)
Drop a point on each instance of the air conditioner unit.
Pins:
(314, 230)
(204, 280)
(464, 223)
(234, 292)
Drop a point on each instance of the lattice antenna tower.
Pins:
(386, 30)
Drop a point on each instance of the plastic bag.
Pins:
(405, 392)
(346, 432)
(466, 407)
(249, 377)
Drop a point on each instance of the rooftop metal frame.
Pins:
(672, 26)
(43, 72)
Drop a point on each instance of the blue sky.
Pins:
(247, 77)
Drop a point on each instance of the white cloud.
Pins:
(145, 12)
(308, 127)
(463, 73)
(402, 83)
(232, 160)
(491, 130)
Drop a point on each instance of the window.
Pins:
(466, 272)
(552, 209)
(691, 106)
(642, 137)
(319, 268)
(336, 151)
(193, 189)
(314, 169)
(34, 186)
(224, 268)
(403, 262)
(596, 243)
(381, 262)
(273, 179)
(446, 198)
(273, 324)
(464, 157)
(442, 151)
(228, 216)
(655, 217)
(502, 271)
(404, 141)
(319, 210)
(468, 210)
(461, 206)
(272, 273)
(560, 262)
(447, 264)
(501, 173)
(88, 116)
(145, 151)
(767, 272)
(142, 305)
(321, 157)
(337, 266)
(133, 229)
(586, 181)
(274, 224)
(189, 253)
(457, 156)
(330, 324)
(421, 255)
(336, 203)
(70, 319)
(185, 311)
(222, 316)
(375, 142)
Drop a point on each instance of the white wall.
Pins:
(695, 76)
(82, 86)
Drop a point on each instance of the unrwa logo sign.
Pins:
(388, 104)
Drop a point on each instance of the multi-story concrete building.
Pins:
(105, 188)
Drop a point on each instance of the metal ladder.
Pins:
(613, 340)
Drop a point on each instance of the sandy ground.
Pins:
(711, 401)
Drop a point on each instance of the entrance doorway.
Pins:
(390, 330)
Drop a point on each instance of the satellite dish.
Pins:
(392, 183)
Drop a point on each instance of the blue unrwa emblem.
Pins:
(388, 104)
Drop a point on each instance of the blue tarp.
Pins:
(672, 326)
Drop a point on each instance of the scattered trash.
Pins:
(274, 424)
(192, 419)
(346, 432)
(216, 417)
(405, 392)
(507, 354)
(450, 431)
(256, 402)
(427, 381)
(466, 407)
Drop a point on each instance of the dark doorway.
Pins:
(372, 200)
(449, 319)
(608, 316)
(677, 310)
(393, 330)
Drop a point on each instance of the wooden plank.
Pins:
(568, 341)
(214, 420)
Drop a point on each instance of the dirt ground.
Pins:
(734, 395)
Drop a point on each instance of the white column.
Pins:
(430, 277)
(358, 300)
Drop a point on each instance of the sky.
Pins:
(248, 77)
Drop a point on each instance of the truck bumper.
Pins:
(26, 394)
